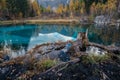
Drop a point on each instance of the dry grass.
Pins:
(44, 65)
(95, 59)
(34, 21)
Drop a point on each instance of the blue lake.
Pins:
(30, 35)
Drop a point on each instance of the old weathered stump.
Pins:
(81, 42)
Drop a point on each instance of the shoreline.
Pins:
(37, 21)
(43, 21)
(73, 21)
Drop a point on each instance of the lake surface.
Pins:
(30, 35)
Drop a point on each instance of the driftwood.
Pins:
(112, 49)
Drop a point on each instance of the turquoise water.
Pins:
(31, 35)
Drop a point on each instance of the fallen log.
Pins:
(111, 49)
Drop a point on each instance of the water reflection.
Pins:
(21, 35)
(106, 35)
(49, 38)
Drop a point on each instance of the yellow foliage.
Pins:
(20, 15)
(77, 4)
(65, 9)
(2, 4)
(82, 9)
(36, 8)
(111, 4)
(60, 9)
(48, 9)
(71, 5)
(101, 8)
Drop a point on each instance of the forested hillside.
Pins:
(16, 9)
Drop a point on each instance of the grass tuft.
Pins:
(45, 64)
(95, 58)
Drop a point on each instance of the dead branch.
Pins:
(63, 63)
(114, 49)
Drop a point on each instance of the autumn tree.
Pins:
(2, 7)
(36, 8)
(60, 9)
(104, 8)
(111, 5)
(71, 8)
(2, 4)
(65, 9)
(48, 9)
(77, 5)
(82, 7)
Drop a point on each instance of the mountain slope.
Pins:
(52, 3)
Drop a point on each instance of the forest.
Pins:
(17, 9)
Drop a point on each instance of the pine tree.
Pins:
(17, 6)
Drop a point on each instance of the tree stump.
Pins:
(81, 42)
